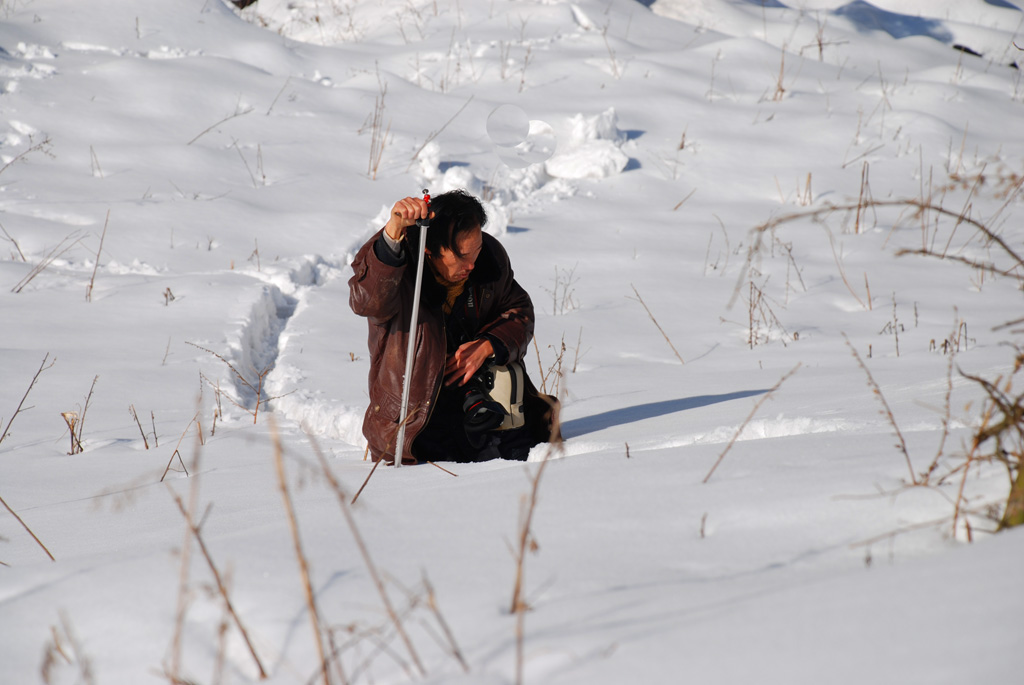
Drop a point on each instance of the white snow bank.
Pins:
(592, 149)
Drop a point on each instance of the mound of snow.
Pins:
(592, 150)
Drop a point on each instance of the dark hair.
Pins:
(455, 213)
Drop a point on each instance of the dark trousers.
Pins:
(445, 438)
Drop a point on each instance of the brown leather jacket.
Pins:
(383, 294)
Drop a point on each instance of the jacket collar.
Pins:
(486, 270)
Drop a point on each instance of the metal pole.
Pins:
(410, 352)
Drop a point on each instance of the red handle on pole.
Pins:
(425, 223)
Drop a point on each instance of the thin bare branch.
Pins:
(887, 410)
(365, 553)
(238, 113)
(43, 146)
(314, 613)
(221, 587)
(663, 333)
(51, 256)
(99, 251)
(14, 242)
(42, 367)
(757, 405)
(27, 529)
(435, 134)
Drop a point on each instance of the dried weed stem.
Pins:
(757, 405)
(42, 367)
(662, 330)
(95, 266)
(364, 552)
(27, 529)
(901, 445)
(193, 527)
(300, 555)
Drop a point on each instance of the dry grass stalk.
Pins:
(757, 405)
(663, 333)
(193, 527)
(238, 112)
(901, 445)
(525, 543)
(865, 193)
(76, 422)
(71, 419)
(683, 201)
(44, 263)
(438, 466)
(579, 345)
(43, 146)
(918, 206)
(252, 176)
(526, 62)
(300, 555)
(65, 647)
(222, 649)
(806, 196)
(540, 366)
(445, 628)
(27, 529)
(254, 256)
(364, 552)
(760, 312)
(380, 646)
(893, 326)
(131, 409)
(363, 486)
(959, 502)
(555, 369)
(96, 265)
(1002, 426)
(85, 409)
(286, 81)
(563, 294)
(611, 54)
(54, 654)
(256, 389)
(13, 242)
(42, 367)
(947, 408)
(899, 531)
(378, 134)
(780, 90)
(176, 452)
(434, 134)
(172, 667)
(968, 205)
(1010, 324)
(791, 267)
(984, 267)
(842, 272)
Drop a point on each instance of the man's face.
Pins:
(450, 266)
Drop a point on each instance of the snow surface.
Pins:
(626, 150)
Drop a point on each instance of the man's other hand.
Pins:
(466, 361)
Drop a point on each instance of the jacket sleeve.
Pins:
(374, 288)
(513, 322)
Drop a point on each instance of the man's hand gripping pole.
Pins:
(410, 353)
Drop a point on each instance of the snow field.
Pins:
(232, 155)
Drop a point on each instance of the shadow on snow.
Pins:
(617, 417)
(867, 17)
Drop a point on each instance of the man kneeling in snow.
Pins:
(470, 398)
